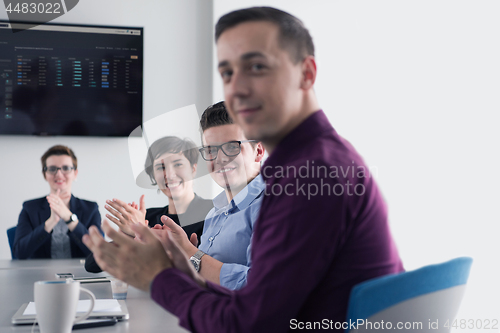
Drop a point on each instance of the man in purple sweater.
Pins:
(323, 223)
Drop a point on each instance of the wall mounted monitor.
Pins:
(65, 79)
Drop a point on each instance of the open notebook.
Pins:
(103, 308)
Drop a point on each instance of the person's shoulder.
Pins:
(256, 190)
(328, 148)
(85, 203)
(34, 203)
(209, 204)
(211, 212)
(202, 203)
(155, 211)
(254, 208)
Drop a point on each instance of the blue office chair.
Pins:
(430, 295)
(11, 234)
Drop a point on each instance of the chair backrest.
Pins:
(11, 234)
(423, 300)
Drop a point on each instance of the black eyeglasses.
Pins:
(65, 169)
(230, 149)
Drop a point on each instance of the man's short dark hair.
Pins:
(293, 37)
(169, 144)
(215, 115)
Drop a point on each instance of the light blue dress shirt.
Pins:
(227, 233)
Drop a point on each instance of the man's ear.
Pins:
(260, 150)
(309, 72)
(194, 167)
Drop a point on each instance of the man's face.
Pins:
(232, 173)
(261, 84)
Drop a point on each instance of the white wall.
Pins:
(414, 85)
(178, 49)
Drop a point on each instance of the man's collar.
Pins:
(244, 198)
(307, 131)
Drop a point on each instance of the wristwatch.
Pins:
(196, 259)
(73, 218)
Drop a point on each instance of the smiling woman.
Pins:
(53, 226)
(171, 164)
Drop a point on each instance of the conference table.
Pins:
(16, 287)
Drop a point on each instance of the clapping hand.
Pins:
(58, 208)
(177, 233)
(136, 263)
(170, 238)
(124, 215)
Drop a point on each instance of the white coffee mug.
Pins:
(56, 303)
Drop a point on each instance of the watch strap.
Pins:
(72, 218)
(196, 260)
(199, 254)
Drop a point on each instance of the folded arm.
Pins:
(91, 218)
(29, 238)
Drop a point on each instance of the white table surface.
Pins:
(16, 287)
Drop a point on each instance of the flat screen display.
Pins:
(76, 80)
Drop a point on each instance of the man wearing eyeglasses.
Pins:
(234, 164)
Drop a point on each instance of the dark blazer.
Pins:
(193, 219)
(32, 241)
